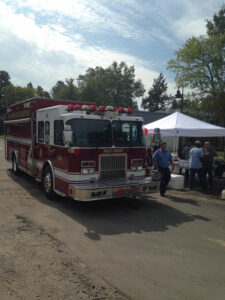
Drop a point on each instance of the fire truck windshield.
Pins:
(128, 133)
(104, 133)
(91, 133)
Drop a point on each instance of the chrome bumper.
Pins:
(113, 189)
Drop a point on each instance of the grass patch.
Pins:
(2, 137)
(220, 153)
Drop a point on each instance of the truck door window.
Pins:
(58, 132)
(41, 131)
(47, 132)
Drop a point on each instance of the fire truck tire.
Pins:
(48, 183)
(15, 168)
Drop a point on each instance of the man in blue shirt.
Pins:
(195, 165)
(162, 157)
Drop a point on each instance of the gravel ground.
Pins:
(36, 265)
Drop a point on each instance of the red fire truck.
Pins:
(78, 149)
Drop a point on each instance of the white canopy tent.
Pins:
(178, 124)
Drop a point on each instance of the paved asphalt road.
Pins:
(167, 248)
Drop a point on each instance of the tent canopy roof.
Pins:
(178, 124)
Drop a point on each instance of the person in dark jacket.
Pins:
(162, 158)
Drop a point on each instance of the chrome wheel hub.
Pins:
(48, 183)
(14, 165)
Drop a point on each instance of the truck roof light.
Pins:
(85, 107)
(101, 108)
(92, 107)
(120, 109)
(130, 110)
(70, 107)
(109, 108)
(77, 107)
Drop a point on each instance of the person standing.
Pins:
(186, 156)
(207, 162)
(186, 151)
(195, 165)
(162, 157)
(149, 157)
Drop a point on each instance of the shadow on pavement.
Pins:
(113, 216)
(183, 200)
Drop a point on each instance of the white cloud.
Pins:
(43, 54)
(192, 21)
(90, 15)
(185, 28)
(42, 40)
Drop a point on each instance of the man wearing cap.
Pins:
(195, 165)
(162, 157)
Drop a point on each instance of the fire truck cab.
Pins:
(78, 149)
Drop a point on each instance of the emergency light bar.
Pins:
(85, 107)
(77, 107)
(100, 108)
(111, 108)
(92, 107)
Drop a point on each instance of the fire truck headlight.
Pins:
(133, 168)
(85, 171)
(136, 168)
(139, 168)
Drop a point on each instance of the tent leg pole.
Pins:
(174, 144)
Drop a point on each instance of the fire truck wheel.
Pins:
(15, 166)
(48, 183)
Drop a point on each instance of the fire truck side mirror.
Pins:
(67, 135)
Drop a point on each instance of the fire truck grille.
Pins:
(113, 166)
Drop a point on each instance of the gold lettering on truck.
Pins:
(113, 150)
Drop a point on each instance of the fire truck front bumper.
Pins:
(113, 189)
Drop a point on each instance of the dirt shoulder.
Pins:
(36, 265)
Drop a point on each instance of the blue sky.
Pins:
(43, 41)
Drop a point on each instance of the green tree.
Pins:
(217, 25)
(67, 90)
(40, 92)
(56, 88)
(13, 94)
(114, 85)
(200, 65)
(4, 79)
(157, 95)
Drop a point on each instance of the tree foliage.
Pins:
(157, 95)
(217, 25)
(200, 65)
(114, 85)
(40, 92)
(4, 79)
(65, 90)
(11, 94)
